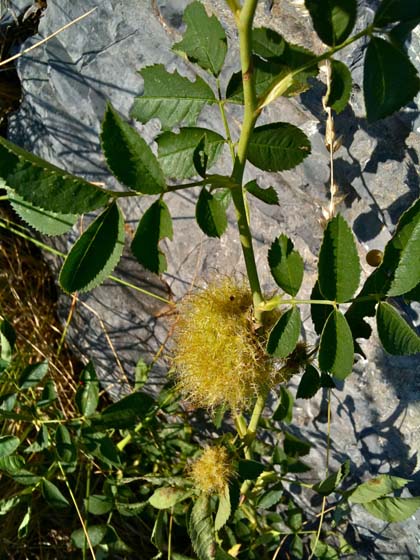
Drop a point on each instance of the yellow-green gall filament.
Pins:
(212, 471)
(219, 359)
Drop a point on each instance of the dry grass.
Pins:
(28, 299)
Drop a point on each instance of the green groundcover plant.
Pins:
(136, 463)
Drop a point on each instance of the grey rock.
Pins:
(67, 82)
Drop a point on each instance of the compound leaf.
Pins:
(393, 509)
(129, 157)
(155, 224)
(96, 253)
(171, 98)
(390, 11)
(200, 528)
(286, 265)
(46, 186)
(284, 407)
(333, 20)
(204, 41)
(278, 146)
(396, 336)
(285, 334)
(336, 350)
(210, 214)
(386, 67)
(338, 94)
(338, 266)
(176, 150)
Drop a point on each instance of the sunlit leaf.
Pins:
(396, 336)
(171, 98)
(210, 214)
(286, 265)
(333, 20)
(96, 253)
(204, 41)
(285, 334)
(336, 351)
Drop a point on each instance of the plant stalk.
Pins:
(244, 24)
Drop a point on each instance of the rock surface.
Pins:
(67, 82)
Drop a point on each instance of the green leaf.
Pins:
(284, 408)
(53, 495)
(129, 157)
(224, 509)
(386, 67)
(141, 374)
(46, 222)
(390, 11)
(96, 536)
(66, 450)
(396, 336)
(406, 245)
(48, 395)
(42, 441)
(8, 445)
(210, 214)
(286, 72)
(97, 504)
(204, 41)
(278, 146)
(87, 395)
(338, 265)
(286, 265)
(176, 150)
(267, 43)
(270, 498)
(336, 351)
(158, 532)
(376, 488)
(324, 551)
(319, 312)
(338, 93)
(333, 20)
(309, 384)
(167, 497)
(200, 528)
(7, 343)
(268, 195)
(8, 504)
(171, 98)
(296, 547)
(155, 225)
(331, 483)
(381, 281)
(46, 186)
(393, 509)
(249, 469)
(294, 517)
(125, 413)
(96, 253)
(294, 446)
(23, 529)
(285, 334)
(32, 375)
(130, 510)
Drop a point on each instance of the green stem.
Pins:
(244, 23)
